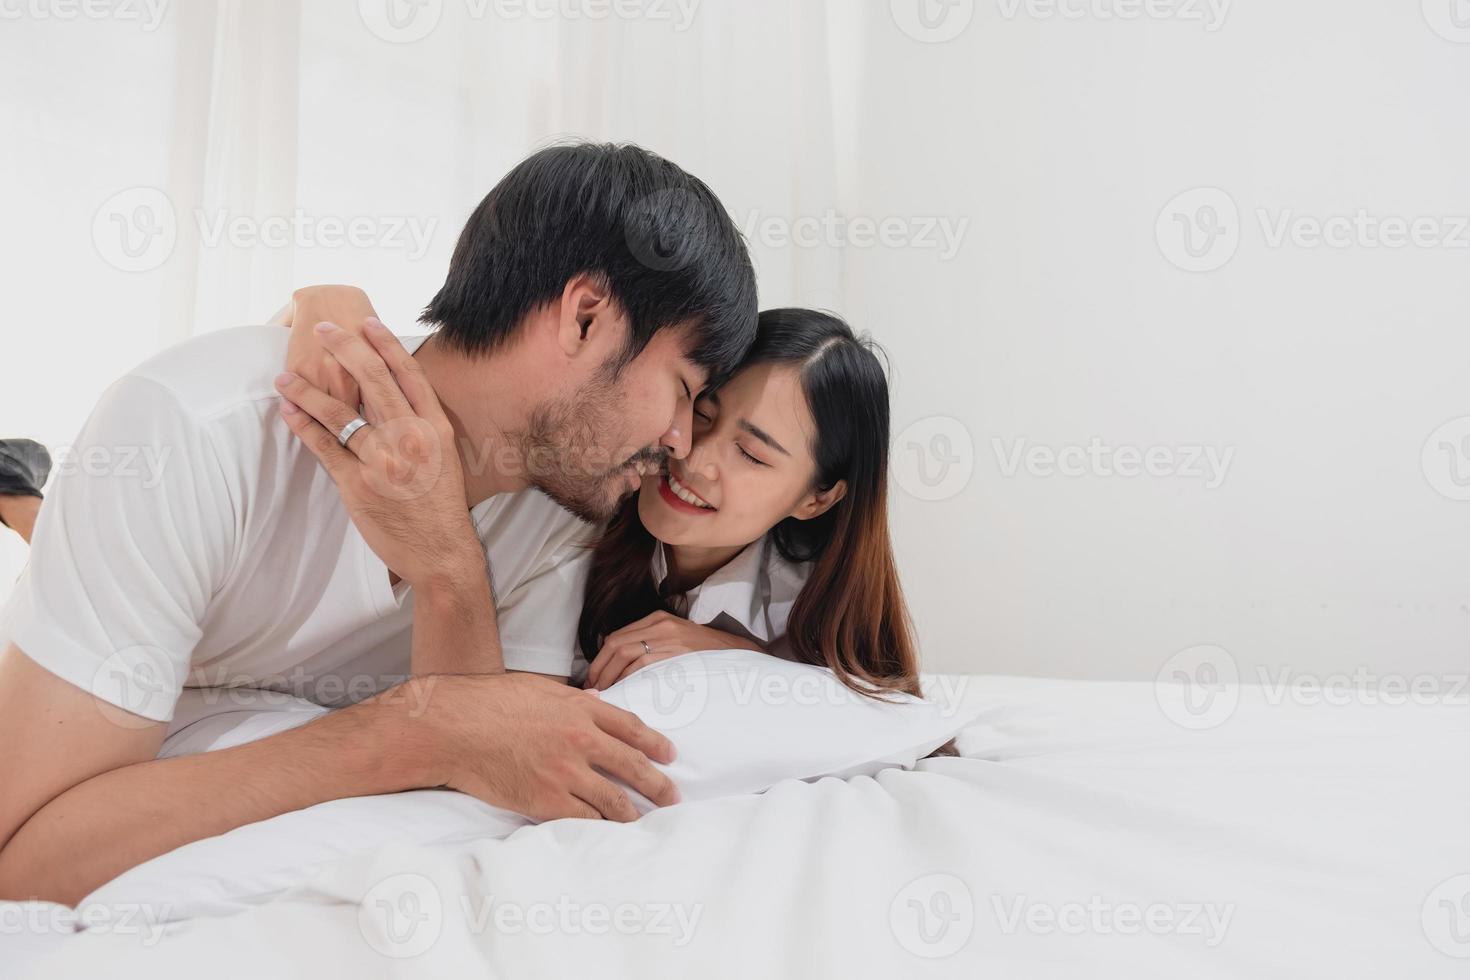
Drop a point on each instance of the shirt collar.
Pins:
(756, 588)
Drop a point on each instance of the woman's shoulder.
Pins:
(781, 571)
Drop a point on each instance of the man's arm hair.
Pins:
(85, 798)
(455, 627)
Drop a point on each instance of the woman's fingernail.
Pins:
(325, 327)
(289, 408)
(284, 378)
(373, 323)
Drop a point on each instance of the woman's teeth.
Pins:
(685, 494)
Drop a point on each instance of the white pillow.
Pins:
(741, 721)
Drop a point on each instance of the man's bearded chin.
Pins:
(565, 437)
(597, 499)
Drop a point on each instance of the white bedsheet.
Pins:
(1085, 834)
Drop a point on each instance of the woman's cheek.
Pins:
(745, 513)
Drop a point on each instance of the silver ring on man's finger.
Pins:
(647, 650)
(350, 429)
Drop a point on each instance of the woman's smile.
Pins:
(681, 498)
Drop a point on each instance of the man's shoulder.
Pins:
(217, 372)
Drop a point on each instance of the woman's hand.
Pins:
(665, 635)
(306, 355)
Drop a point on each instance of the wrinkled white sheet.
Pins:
(1085, 834)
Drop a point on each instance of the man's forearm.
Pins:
(102, 827)
(454, 626)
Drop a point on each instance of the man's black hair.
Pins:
(658, 238)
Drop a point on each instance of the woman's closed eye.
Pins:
(748, 456)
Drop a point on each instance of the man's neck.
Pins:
(485, 404)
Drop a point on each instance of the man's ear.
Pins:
(588, 321)
(818, 502)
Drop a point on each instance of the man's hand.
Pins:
(306, 355)
(536, 746)
(657, 636)
(399, 476)
(400, 479)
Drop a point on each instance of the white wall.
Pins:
(1047, 140)
(1325, 370)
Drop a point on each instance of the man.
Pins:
(591, 296)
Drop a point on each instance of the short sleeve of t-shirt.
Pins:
(129, 547)
(538, 618)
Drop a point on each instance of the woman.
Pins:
(772, 534)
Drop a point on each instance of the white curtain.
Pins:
(177, 167)
(184, 176)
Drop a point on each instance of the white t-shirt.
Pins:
(193, 541)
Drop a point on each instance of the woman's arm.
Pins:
(346, 306)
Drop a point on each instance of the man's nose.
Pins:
(701, 460)
(676, 438)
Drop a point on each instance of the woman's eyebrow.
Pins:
(761, 434)
(763, 437)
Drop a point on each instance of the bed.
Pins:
(1086, 830)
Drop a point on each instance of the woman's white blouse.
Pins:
(751, 595)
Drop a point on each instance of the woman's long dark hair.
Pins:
(850, 615)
